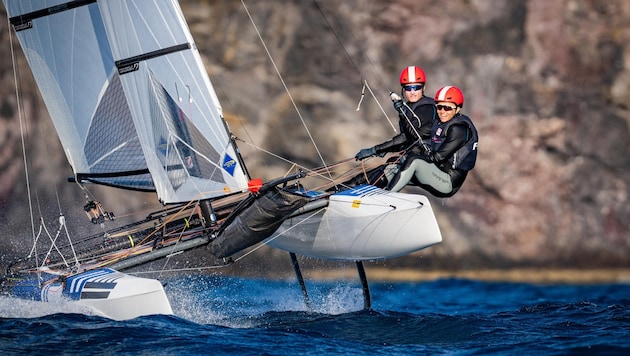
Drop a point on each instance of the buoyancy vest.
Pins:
(466, 156)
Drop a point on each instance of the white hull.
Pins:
(365, 223)
(111, 294)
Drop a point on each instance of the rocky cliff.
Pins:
(546, 82)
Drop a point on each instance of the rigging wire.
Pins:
(381, 107)
(289, 161)
(364, 81)
(345, 51)
(286, 88)
(344, 47)
(179, 238)
(22, 138)
(354, 65)
(260, 245)
(53, 245)
(62, 219)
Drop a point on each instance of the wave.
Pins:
(220, 315)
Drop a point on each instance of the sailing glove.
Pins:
(365, 153)
(398, 105)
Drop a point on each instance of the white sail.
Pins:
(77, 79)
(128, 95)
(174, 107)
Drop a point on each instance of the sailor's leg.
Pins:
(428, 174)
(402, 177)
(391, 171)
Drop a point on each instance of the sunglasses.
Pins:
(445, 107)
(413, 87)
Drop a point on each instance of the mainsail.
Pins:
(129, 96)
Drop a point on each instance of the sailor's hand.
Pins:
(365, 153)
(398, 104)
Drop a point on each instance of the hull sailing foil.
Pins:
(134, 108)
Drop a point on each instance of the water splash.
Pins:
(21, 308)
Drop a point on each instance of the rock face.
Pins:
(546, 82)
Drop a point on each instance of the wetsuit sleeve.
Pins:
(455, 138)
(392, 145)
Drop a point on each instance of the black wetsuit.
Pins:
(415, 119)
(453, 151)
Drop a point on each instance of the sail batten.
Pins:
(130, 64)
(19, 21)
(68, 51)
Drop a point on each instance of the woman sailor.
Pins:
(453, 153)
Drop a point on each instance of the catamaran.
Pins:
(134, 108)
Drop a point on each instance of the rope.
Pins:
(344, 47)
(22, 137)
(381, 107)
(338, 39)
(278, 235)
(286, 88)
(420, 140)
(325, 168)
(53, 244)
(179, 238)
(187, 269)
(369, 60)
(142, 244)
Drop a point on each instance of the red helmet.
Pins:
(412, 74)
(450, 94)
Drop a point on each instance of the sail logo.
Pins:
(129, 68)
(229, 164)
(23, 26)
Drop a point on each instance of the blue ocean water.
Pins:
(227, 315)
